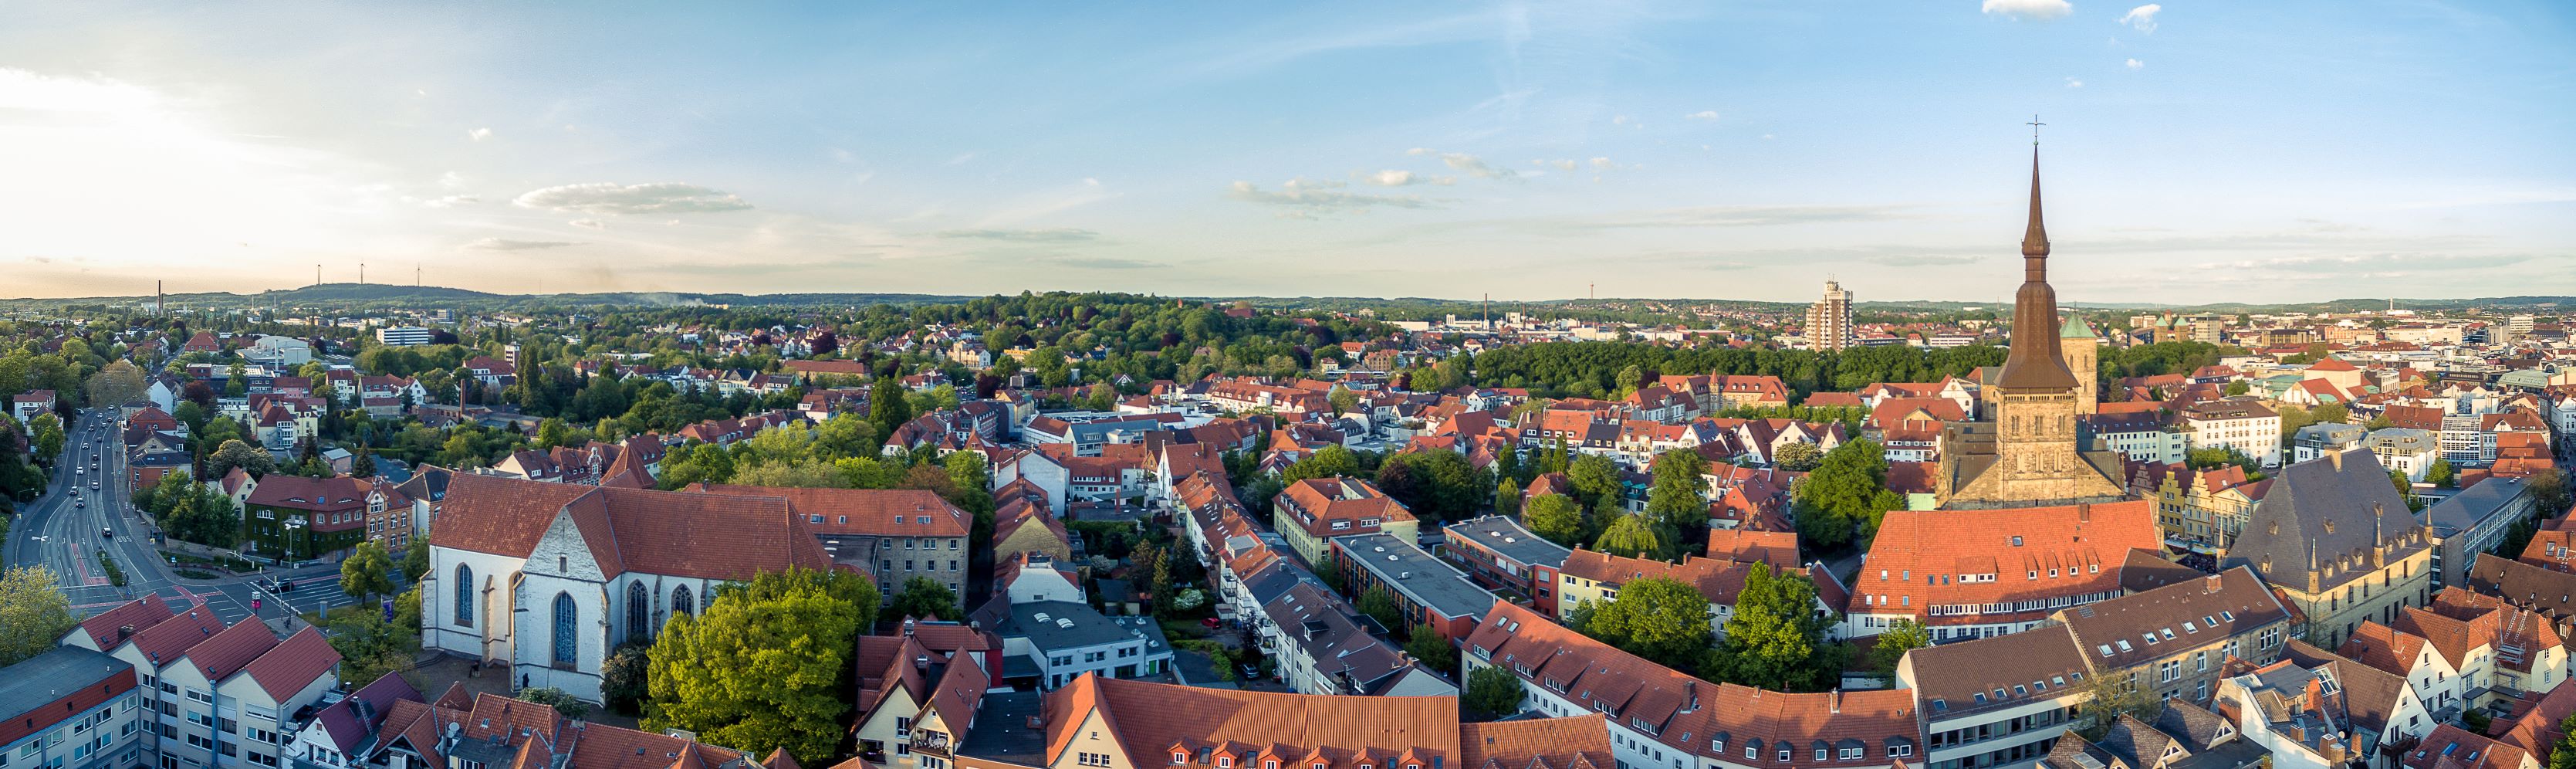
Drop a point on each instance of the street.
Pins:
(70, 524)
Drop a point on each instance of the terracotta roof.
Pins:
(1923, 559)
(1578, 742)
(1685, 713)
(1150, 720)
(165, 641)
(138, 614)
(308, 493)
(879, 512)
(2112, 634)
(292, 665)
(631, 529)
(2016, 668)
(501, 516)
(225, 653)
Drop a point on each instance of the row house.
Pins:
(1957, 391)
(1310, 513)
(2465, 650)
(1719, 392)
(2241, 424)
(215, 696)
(724, 432)
(1910, 428)
(2004, 700)
(1325, 646)
(2198, 510)
(2139, 435)
(1981, 573)
(926, 667)
(68, 706)
(2174, 641)
(1660, 717)
(1244, 396)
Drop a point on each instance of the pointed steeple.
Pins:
(2034, 241)
(2035, 362)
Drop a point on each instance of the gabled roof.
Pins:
(292, 665)
(1149, 720)
(103, 628)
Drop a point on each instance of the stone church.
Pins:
(2029, 453)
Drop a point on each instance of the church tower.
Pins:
(2028, 454)
(2081, 346)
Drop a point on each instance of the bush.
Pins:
(115, 576)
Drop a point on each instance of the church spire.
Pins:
(2035, 362)
(2034, 241)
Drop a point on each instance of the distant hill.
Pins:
(385, 296)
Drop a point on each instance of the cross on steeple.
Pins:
(2034, 129)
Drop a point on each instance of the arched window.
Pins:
(464, 595)
(682, 603)
(639, 612)
(566, 644)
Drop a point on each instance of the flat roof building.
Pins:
(1430, 590)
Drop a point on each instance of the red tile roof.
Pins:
(1151, 720)
(225, 653)
(1923, 559)
(292, 665)
(879, 512)
(102, 628)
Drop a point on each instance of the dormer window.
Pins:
(1180, 757)
(1225, 762)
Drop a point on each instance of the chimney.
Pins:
(124, 632)
(1835, 701)
(2337, 458)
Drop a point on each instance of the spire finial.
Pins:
(2034, 129)
(2034, 241)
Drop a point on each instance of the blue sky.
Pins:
(2194, 151)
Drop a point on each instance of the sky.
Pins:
(2192, 151)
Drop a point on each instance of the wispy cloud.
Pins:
(590, 223)
(609, 199)
(2142, 18)
(505, 244)
(478, 134)
(1307, 198)
(1401, 178)
(451, 201)
(2029, 9)
(1467, 164)
(1706, 115)
(2074, 83)
(1050, 235)
(2136, 64)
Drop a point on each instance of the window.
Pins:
(1180, 757)
(464, 595)
(639, 612)
(567, 646)
(681, 603)
(1784, 755)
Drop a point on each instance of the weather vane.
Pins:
(2034, 130)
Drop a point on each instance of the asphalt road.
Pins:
(71, 523)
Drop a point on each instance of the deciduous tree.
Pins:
(1662, 620)
(1554, 517)
(34, 613)
(367, 572)
(1776, 637)
(761, 668)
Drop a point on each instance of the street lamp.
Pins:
(294, 526)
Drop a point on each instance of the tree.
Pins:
(236, 381)
(846, 435)
(887, 407)
(1554, 517)
(34, 614)
(363, 465)
(1903, 635)
(2441, 474)
(48, 432)
(117, 383)
(1493, 692)
(2116, 695)
(2406, 489)
(624, 677)
(1594, 478)
(371, 646)
(1662, 620)
(1846, 495)
(234, 453)
(1776, 638)
(1342, 400)
(1632, 536)
(2550, 493)
(366, 572)
(805, 474)
(761, 668)
(1797, 457)
(924, 598)
(1679, 498)
(415, 560)
(1378, 603)
(1435, 652)
(1507, 498)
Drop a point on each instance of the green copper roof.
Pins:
(2076, 328)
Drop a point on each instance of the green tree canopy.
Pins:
(367, 572)
(1846, 495)
(1662, 620)
(924, 598)
(1493, 692)
(1776, 637)
(1633, 536)
(761, 668)
(1679, 496)
(1553, 516)
(1901, 636)
(34, 614)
